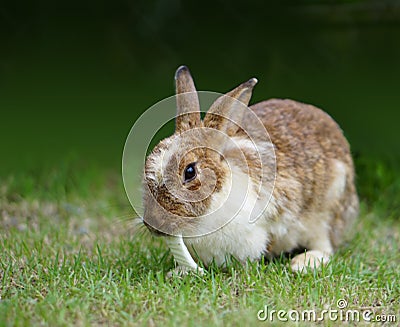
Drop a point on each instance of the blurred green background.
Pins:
(74, 76)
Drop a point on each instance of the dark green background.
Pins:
(73, 76)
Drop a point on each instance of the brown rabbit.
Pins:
(211, 177)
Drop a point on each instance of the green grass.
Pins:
(71, 255)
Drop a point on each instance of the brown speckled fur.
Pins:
(306, 141)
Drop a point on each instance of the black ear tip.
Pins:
(252, 81)
(180, 70)
(183, 67)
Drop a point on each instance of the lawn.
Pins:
(72, 254)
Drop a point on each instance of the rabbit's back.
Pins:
(302, 131)
(314, 167)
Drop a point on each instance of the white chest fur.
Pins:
(228, 231)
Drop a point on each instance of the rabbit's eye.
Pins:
(190, 172)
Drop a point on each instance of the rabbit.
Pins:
(194, 179)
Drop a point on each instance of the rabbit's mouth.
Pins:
(154, 231)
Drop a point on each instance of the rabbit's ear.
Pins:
(226, 113)
(187, 101)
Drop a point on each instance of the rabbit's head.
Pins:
(184, 172)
